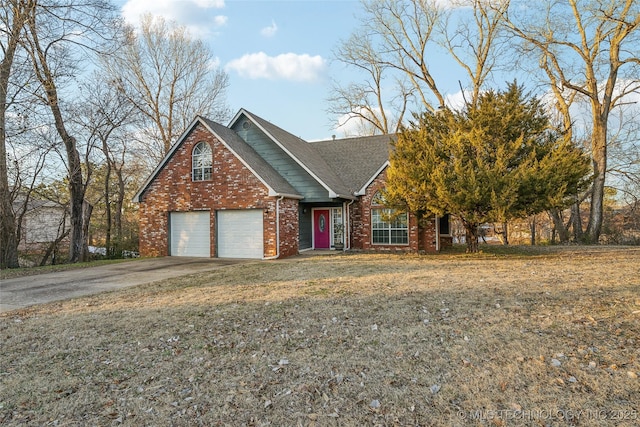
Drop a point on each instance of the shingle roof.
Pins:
(355, 160)
(306, 155)
(261, 168)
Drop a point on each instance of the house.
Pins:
(253, 190)
(42, 222)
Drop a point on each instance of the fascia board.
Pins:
(332, 194)
(363, 190)
(174, 147)
(288, 196)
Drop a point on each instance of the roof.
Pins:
(357, 161)
(345, 167)
(304, 153)
(35, 202)
(275, 183)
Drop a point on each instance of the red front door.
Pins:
(321, 228)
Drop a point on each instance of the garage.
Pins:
(189, 234)
(240, 234)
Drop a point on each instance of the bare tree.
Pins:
(13, 15)
(473, 37)
(58, 35)
(365, 101)
(398, 40)
(169, 77)
(104, 113)
(589, 49)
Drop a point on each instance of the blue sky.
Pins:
(277, 53)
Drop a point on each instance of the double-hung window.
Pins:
(388, 226)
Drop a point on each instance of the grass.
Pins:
(11, 273)
(500, 339)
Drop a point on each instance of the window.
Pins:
(388, 226)
(338, 226)
(444, 227)
(201, 162)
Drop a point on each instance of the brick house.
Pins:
(253, 190)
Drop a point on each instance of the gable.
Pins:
(291, 149)
(258, 167)
(286, 166)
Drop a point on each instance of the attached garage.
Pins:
(190, 234)
(240, 233)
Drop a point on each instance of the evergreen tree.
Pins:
(492, 162)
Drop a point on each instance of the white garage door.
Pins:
(190, 234)
(240, 234)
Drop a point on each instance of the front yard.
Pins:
(546, 338)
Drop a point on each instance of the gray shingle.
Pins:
(249, 155)
(306, 155)
(355, 160)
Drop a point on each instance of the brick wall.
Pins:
(421, 236)
(233, 186)
(427, 234)
(289, 227)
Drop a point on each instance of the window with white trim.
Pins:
(338, 226)
(388, 226)
(201, 162)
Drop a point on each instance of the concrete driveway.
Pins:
(31, 290)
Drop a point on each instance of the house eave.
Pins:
(275, 140)
(363, 190)
(273, 193)
(333, 195)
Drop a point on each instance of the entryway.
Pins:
(327, 228)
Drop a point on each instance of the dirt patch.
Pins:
(544, 339)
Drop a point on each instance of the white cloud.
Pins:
(214, 63)
(456, 101)
(220, 20)
(349, 125)
(197, 15)
(287, 66)
(352, 124)
(270, 31)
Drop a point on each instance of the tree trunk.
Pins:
(532, 227)
(504, 234)
(76, 193)
(576, 221)
(51, 249)
(471, 230)
(8, 238)
(559, 227)
(119, 204)
(76, 185)
(87, 208)
(599, 160)
(107, 202)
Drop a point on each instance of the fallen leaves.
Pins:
(388, 341)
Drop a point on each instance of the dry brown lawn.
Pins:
(546, 338)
